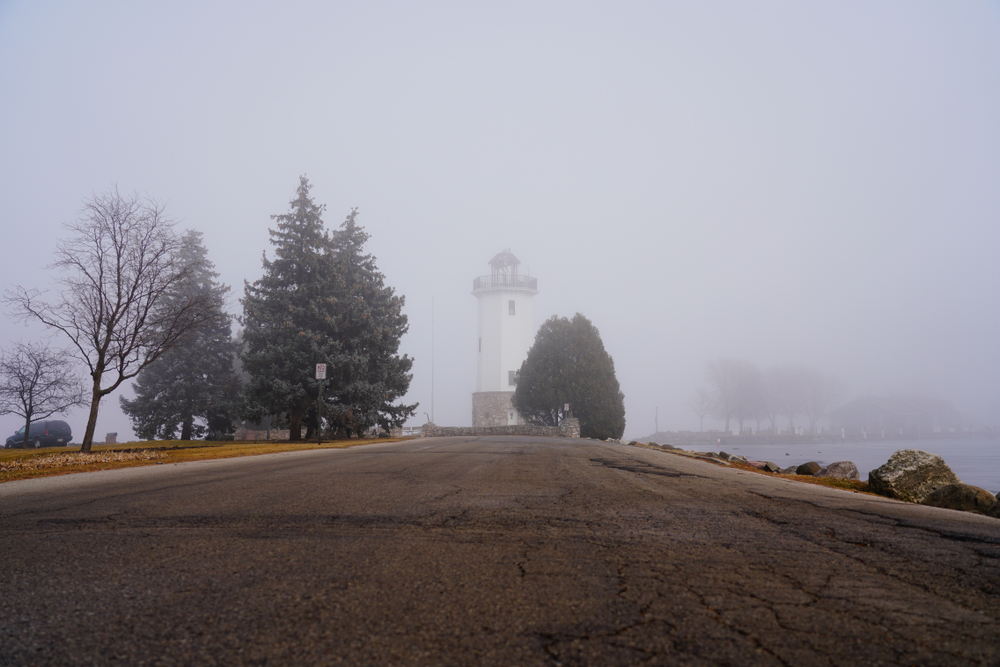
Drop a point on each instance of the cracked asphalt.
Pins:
(488, 551)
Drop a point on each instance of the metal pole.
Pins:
(319, 414)
(432, 358)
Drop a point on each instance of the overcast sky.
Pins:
(788, 182)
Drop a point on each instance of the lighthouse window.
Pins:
(510, 307)
(511, 378)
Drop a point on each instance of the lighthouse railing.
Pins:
(517, 282)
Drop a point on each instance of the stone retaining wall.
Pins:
(570, 428)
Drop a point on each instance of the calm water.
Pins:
(976, 461)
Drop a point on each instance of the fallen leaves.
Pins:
(78, 459)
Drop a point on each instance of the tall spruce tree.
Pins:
(369, 374)
(568, 364)
(322, 300)
(192, 388)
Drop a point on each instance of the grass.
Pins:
(49, 461)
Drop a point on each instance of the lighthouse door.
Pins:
(511, 418)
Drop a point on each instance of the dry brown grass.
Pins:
(847, 484)
(23, 464)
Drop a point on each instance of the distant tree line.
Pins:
(137, 300)
(739, 392)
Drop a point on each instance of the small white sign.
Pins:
(320, 371)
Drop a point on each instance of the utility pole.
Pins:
(657, 418)
(432, 358)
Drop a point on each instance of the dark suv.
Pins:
(48, 433)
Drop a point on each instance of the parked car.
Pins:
(48, 433)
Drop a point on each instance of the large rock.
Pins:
(964, 497)
(810, 468)
(911, 475)
(840, 470)
(995, 510)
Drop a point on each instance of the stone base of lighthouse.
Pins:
(493, 408)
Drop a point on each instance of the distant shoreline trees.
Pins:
(739, 391)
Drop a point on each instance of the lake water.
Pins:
(976, 461)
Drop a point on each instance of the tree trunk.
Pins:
(295, 428)
(95, 402)
(27, 427)
(186, 427)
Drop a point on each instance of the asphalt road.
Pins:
(489, 551)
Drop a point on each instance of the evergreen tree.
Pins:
(322, 300)
(568, 364)
(368, 373)
(194, 380)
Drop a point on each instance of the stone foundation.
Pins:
(491, 408)
(570, 428)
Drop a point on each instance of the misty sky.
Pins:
(781, 181)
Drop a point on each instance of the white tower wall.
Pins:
(504, 339)
(506, 333)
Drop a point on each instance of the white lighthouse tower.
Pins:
(506, 332)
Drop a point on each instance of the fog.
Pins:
(787, 183)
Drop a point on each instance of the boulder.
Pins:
(995, 510)
(770, 467)
(724, 456)
(810, 468)
(963, 497)
(840, 470)
(911, 475)
(790, 470)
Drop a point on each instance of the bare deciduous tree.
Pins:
(748, 393)
(701, 404)
(772, 383)
(735, 389)
(819, 391)
(722, 379)
(120, 303)
(37, 382)
(791, 394)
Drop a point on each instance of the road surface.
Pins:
(485, 551)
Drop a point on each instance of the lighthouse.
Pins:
(506, 332)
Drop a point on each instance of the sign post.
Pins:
(320, 376)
